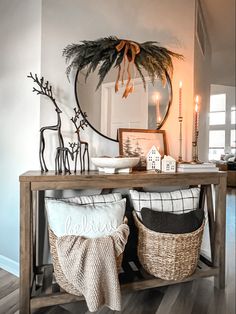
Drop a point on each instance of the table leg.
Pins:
(211, 219)
(220, 222)
(25, 247)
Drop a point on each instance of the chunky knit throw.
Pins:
(89, 265)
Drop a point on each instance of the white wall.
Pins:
(20, 37)
(225, 74)
(170, 22)
(202, 81)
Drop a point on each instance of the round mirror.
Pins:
(107, 110)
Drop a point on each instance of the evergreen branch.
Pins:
(155, 60)
(140, 73)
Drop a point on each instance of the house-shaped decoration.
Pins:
(153, 159)
(168, 164)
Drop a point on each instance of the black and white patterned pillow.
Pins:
(178, 202)
(92, 199)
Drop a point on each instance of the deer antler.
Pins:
(82, 123)
(73, 147)
(44, 89)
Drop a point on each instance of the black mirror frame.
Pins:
(107, 137)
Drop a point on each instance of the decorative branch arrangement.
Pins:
(113, 52)
(63, 154)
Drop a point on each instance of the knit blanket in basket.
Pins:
(89, 264)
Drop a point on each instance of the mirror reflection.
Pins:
(107, 111)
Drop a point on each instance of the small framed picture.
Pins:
(138, 142)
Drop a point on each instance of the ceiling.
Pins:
(220, 22)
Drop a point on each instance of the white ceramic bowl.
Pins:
(112, 164)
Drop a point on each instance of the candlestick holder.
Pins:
(195, 159)
(158, 125)
(180, 157)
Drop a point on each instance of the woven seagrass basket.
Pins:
(168, 256)
(59, 275)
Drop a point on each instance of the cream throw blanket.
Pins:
(90, 267)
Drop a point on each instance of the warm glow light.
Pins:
(180, 84)
(156, 97)
(196, 105)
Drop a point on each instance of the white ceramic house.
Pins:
(168, 164)
(153, 159)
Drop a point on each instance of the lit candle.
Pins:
(196, 117)
(180, 98)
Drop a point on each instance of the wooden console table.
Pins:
(37, 286)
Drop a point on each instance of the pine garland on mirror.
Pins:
(122, 54)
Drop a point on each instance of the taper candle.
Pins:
(180, 98)
(196, 118)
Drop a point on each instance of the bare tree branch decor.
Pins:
(79, 125)
(46, 90)
(114, 52)
(63, 155)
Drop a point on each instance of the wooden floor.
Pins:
(197, 297)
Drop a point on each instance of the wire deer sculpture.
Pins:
(77, 147)
(62, 159)
(46, 90)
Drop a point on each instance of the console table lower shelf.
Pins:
(38, 287)
(46, 291)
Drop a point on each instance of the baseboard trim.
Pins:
(9, 265)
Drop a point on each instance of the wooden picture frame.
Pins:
(138, 142)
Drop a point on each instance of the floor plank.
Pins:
(9, 304)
